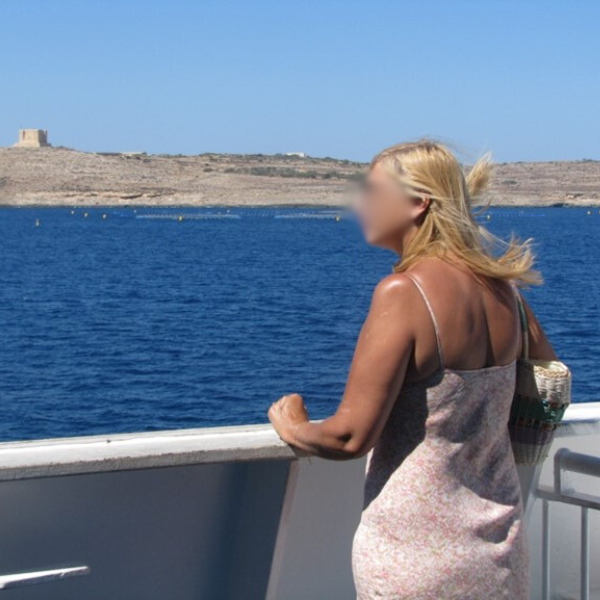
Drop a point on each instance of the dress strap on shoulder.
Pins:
(521, 322)
(434, 320)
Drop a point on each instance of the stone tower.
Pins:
(32, 138)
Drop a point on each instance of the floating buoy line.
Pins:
(248, 213)
(181, 217)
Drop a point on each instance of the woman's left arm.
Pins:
(376, 375)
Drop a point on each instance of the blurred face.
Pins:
(385, 211)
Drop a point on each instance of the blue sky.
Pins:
(330, 77)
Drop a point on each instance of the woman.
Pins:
(429, 390)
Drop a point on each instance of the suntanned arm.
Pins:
(376, 375)
(539, 345)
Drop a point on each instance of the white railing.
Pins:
(19, 579)
(575, 462)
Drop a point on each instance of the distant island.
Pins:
(57, 176)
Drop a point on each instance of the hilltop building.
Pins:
(32, 138)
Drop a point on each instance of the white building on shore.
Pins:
(32, 138)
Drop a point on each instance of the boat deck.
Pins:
(233, 513)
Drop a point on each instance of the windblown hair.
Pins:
(428, 170)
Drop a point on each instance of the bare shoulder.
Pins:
(393, 288)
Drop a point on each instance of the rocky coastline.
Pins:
(57, 176)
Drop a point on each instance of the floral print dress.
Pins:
(442, 516)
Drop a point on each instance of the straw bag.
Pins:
(542, 394)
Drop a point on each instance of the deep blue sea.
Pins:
(124, 320)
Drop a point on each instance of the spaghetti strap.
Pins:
(521, 321)
(435, 324)
(515, 290)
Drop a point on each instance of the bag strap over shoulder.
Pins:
(523, 321)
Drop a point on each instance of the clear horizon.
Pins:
(337, 79)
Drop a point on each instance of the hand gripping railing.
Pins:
(566, 460)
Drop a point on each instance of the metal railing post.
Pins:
(545, 549)
(585, 554)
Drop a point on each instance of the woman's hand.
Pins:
(286, 414)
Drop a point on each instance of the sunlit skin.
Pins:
(397, 344)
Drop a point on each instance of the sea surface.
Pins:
(138, 320)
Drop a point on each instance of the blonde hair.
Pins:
(428, 170)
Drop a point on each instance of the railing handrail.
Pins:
(102, 453)
(576, 462)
